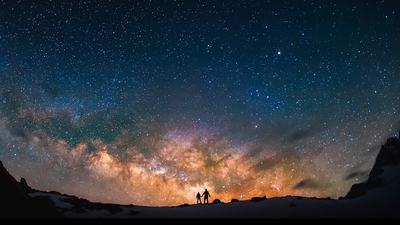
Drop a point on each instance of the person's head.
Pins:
(206, 189)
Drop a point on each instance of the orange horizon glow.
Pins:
(176, 169)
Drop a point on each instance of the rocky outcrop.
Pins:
(387, 159)
(257, 199)
(16, 203)
(388, 155)
(13, 198)
(216, 201)
(24, 186)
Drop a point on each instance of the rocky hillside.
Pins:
(385, 169)
(15, 201)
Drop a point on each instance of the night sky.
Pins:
(150, 102)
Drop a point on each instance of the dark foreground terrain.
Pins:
(376, 197)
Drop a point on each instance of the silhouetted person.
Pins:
(198, 197)
(205, 194)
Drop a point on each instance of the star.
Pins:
(147, 103)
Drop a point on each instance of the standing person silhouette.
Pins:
(205, 194)
(198, 197)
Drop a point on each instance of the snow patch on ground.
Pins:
(379, 202)
(54, 198)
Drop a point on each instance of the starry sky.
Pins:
(150, 102)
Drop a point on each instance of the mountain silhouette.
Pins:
(376, 197)
(383, 171)
(15, 201)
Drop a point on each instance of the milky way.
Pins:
(150, 102)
